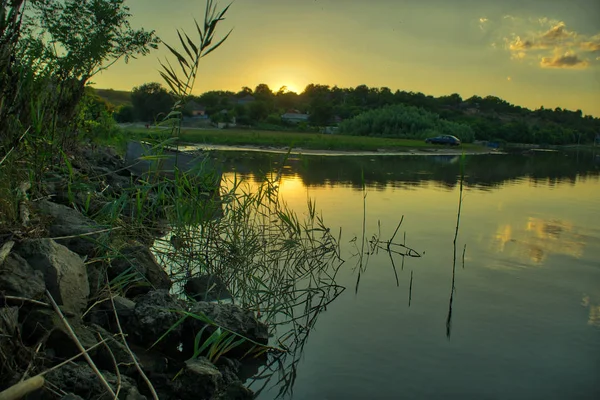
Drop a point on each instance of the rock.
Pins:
(104, 359)
(64, 273)
(102, 314)
(199, 380)
(207, 288)
(17, 278)
(45, 323)
(80, 380)
(236, 391)
(229, 368)
(154, 314)
(140, 259)
(228, 316)
(69, 222)
(71, 396)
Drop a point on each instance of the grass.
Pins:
(280, 139)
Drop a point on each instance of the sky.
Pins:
(529, 52)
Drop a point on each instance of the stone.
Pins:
(79, 380)
(200, 380)
(140, 258)
(18, 278)
(42, 323)
(207, 288)
(102, 313)
(67, 222)
(64, 272)
(154, 314)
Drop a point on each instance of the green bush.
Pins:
(400, 121)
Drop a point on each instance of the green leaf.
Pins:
(217, 45)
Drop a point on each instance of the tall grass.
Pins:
(458, 213)
(274, 263)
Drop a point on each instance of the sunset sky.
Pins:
(528, 52)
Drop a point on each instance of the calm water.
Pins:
(526, 311)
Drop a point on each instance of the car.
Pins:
(444, 139)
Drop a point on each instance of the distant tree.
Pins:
(258, 110)
(149, 101)
(124, 114)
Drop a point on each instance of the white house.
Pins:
(294, 117)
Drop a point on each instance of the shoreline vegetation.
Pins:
(297, 141)
(116, 284)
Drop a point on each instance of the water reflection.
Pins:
(594, 310)
(537, 239)
(483, 172)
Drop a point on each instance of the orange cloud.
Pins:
(568, 60)
(554, 47)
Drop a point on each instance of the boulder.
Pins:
(79, 380)
(17, 278)
(154, 314)
(140, 258)
(200, 380)
(69, 222)
(42, 323)
(207, 288)
(102, 313)
(64, 273)
(228, 316)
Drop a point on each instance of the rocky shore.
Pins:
(79, 319)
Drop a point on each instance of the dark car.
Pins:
(445, 139)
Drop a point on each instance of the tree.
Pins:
(149, 101)
(76, 39)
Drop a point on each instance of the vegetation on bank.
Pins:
(279, 267)
(402, 121)
(489, 118)
(282, 139)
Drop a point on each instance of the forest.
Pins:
(486, 118)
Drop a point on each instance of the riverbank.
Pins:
(87, 307)
(299, 142)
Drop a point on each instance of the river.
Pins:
(525, 314)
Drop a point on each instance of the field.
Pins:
(278, 139)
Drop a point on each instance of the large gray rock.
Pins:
(67, 222)
(79, 379)
(200, 380)
(64, 273)
(17, 278)
(154, 314)
(103, 314)
(228, 316)
(141, 260)
(207, 288)
(45, 324)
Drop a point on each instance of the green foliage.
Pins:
(151, 101)
(403, 122)
(80, 38)
(47, 56)
(124, 114)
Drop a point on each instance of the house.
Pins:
(294, 117)
(195, 109)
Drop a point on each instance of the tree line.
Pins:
(488, 118)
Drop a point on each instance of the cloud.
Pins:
(482, 22)
(567, 60)
(555, 46)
